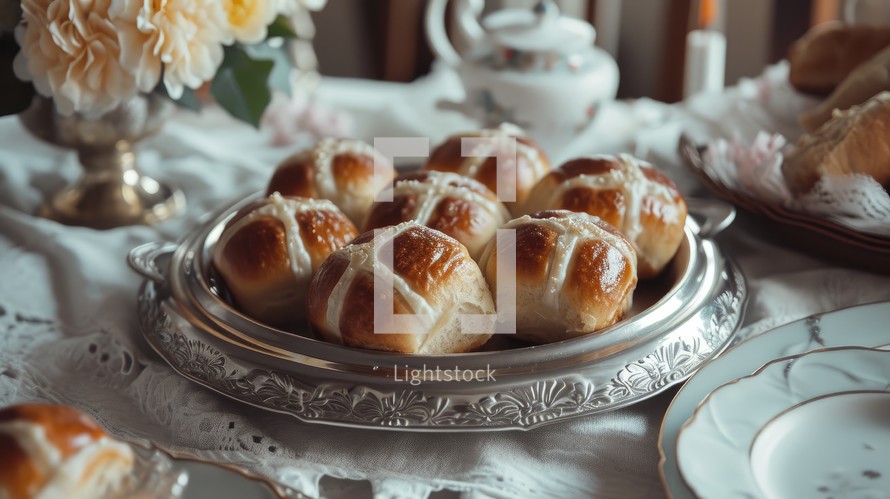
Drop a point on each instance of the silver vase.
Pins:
(111, 192)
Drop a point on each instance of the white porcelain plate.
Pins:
(864, 325)
(814, 425)
(173, 475)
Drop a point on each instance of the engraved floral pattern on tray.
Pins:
(525, 406)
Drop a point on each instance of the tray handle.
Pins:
(711, 215)
(144, 259)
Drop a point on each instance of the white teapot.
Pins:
(531, 67)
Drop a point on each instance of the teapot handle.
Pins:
(466, 12)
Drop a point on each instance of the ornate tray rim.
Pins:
(526, 401)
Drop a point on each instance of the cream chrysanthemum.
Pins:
(181, 39)
(248, 19)
(71, 51)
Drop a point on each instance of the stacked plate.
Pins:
(800, 411)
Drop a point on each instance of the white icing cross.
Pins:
(630, 180)
(363, 258)
(571, 230)
(285, 211)
(437, 187)
(471, 164)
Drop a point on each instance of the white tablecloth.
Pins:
(68, 330)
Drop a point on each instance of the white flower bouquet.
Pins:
(91, 56)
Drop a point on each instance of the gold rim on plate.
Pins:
(279, 490)
(788, 358)
(662, 455)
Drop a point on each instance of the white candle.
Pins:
(705, 62)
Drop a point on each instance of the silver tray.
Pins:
(679, 321)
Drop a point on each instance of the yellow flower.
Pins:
(70, 50)
(248, 19)
(180, 38)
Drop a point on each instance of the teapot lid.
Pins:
(541, 29)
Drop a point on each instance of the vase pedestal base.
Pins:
(114, 203)
(111, 191)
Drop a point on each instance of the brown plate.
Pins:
(811, 234)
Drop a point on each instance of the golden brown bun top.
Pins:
(255, 242)
(575, 223)
(539, 234)
(451, 203)
(347, 172)
(829, 52)
(622, 190)
(568, 214)
(629, 193)
(426, 261)
(432, 276)
(583, 219)
(458, 181)
(448, 157)
(598, 165)
(267, 253)
(532, 162)
(424, 257)
(48, 450)
(330, 165)
(68, 429)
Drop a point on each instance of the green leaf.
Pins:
(280, 28)
(280, 77)
(241, 85)
(189, 99)
(15, 94)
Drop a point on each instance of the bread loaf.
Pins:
(829, 52)
(854, 141)
(866, 81)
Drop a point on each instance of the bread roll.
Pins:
(829, 52)
(54, 451)
(631, 194)
(854, 141)
(866, 81)
(456, 205)
(531, 162)
(340, 170)
(431, 274)
(575, 275)
(267, 253)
